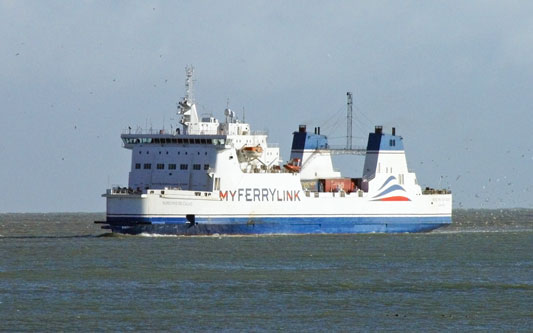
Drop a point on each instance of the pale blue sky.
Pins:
(454, 77)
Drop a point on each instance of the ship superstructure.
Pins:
(220, 177)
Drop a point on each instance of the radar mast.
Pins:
(187, 108)
(189, 72)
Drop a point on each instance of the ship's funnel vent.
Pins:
(393, 131)
(379, 129)
(301, 129)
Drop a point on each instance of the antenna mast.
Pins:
(189, 71)
(349, 121)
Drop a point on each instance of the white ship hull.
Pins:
(188, 212)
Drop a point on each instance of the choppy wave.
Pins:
(149, 235)
(480, 230)
(490, 221)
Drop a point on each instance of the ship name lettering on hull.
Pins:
(259, 194)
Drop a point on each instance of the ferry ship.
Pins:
(210, 177)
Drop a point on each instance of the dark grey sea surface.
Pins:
(58, 273)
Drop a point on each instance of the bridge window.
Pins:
(184, 166)
(147, 166)
(196, 167)
(206, 166)
(172, 166)
(160, 166)
(137, 165)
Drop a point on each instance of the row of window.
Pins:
(173, 140)
(171, 166)
(179, 153)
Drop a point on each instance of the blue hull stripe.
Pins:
(274, 225)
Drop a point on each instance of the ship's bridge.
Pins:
(132, 140)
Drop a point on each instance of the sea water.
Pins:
(60, 272)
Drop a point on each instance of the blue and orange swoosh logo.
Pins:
(395, 187)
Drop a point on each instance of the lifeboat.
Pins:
(293, 165)
(252, 151)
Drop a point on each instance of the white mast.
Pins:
(189, 72)
(187, 107)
